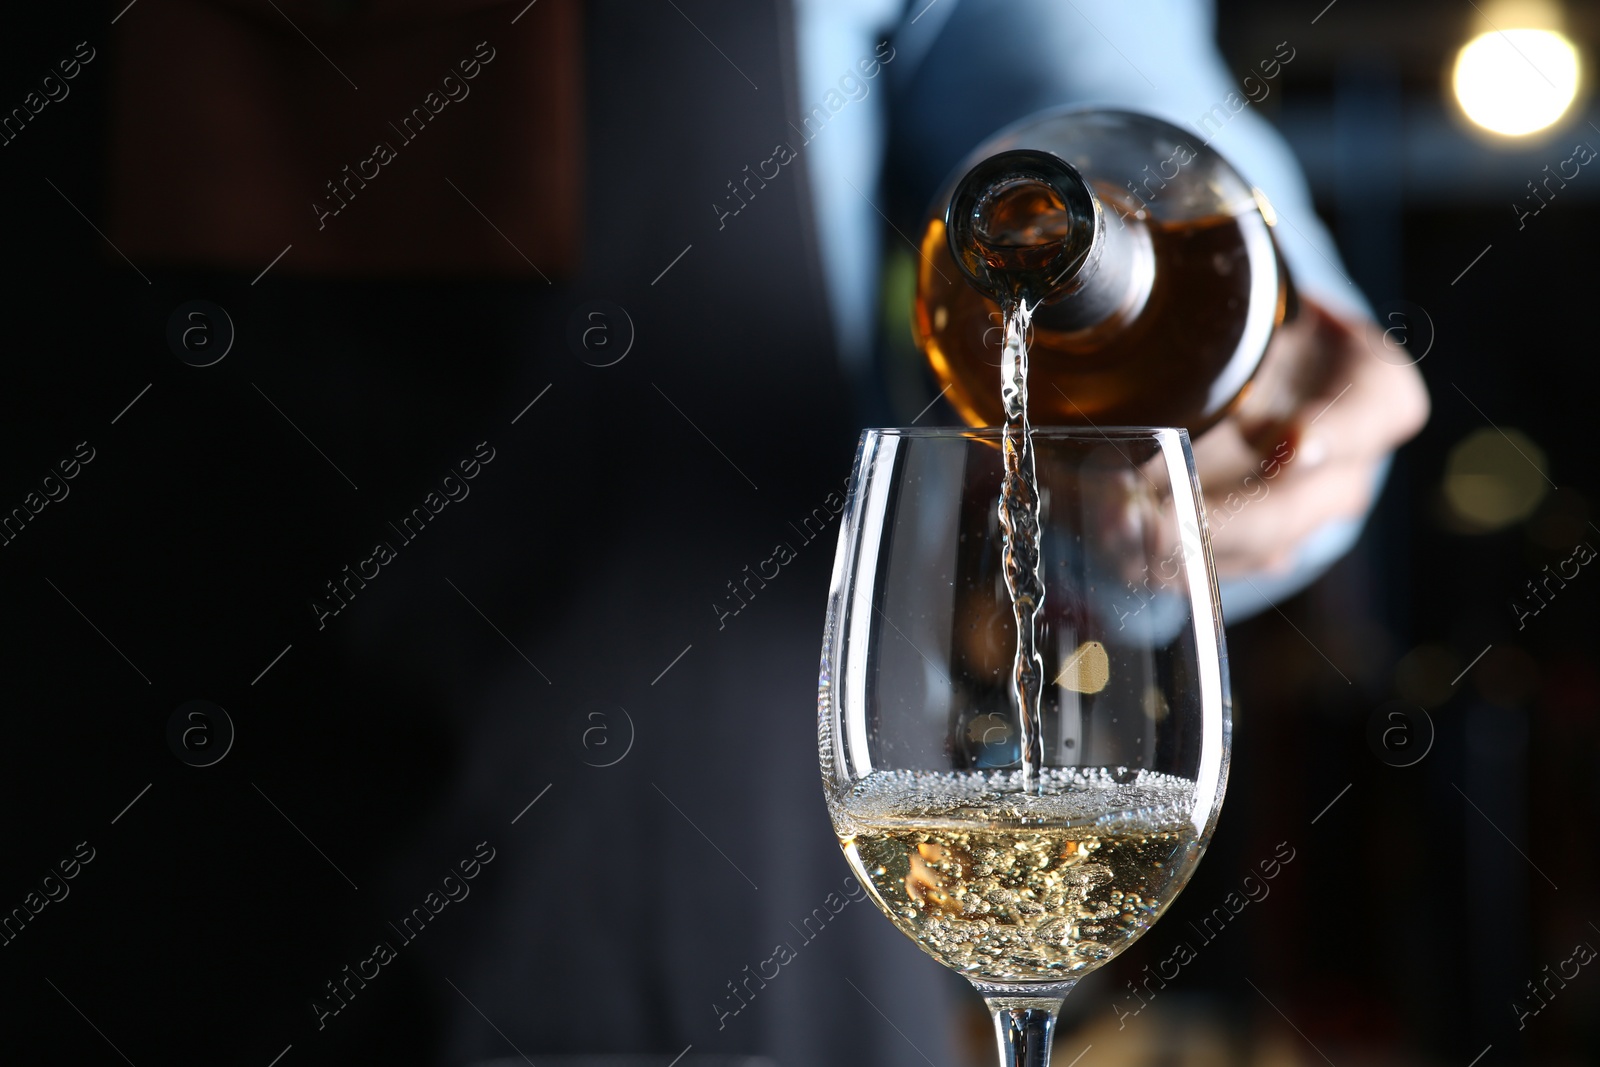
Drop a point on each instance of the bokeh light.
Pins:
(1494, 478)
(1427, 674)
(1516, 81)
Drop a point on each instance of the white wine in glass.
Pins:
(1023, 889)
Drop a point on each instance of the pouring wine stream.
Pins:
(1019, 521)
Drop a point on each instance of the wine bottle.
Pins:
(1151, 261)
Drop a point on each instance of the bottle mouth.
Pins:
(1024, 225)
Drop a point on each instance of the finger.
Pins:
(1224, 457)
(1253, 535)
(1295, 367)
(1346, 402)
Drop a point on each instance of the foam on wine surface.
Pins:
(1007, 885)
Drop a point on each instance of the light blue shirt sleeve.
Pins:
(963, 69)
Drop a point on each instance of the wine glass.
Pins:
(1024, 889)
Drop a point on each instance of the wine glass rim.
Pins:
(995, 433)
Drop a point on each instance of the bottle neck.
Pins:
(1114, 289)
(1026, 226)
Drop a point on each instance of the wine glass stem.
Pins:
(1023, 1025)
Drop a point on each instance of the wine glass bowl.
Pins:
(1023, 890)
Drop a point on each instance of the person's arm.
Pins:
(986, 63)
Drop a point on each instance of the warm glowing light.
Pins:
(1494, 478)
(1516, 81)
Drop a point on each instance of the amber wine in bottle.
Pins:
(1152, 263)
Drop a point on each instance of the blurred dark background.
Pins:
(1422, 901)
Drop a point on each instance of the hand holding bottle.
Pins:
(1305, 446)
(1159, 297)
